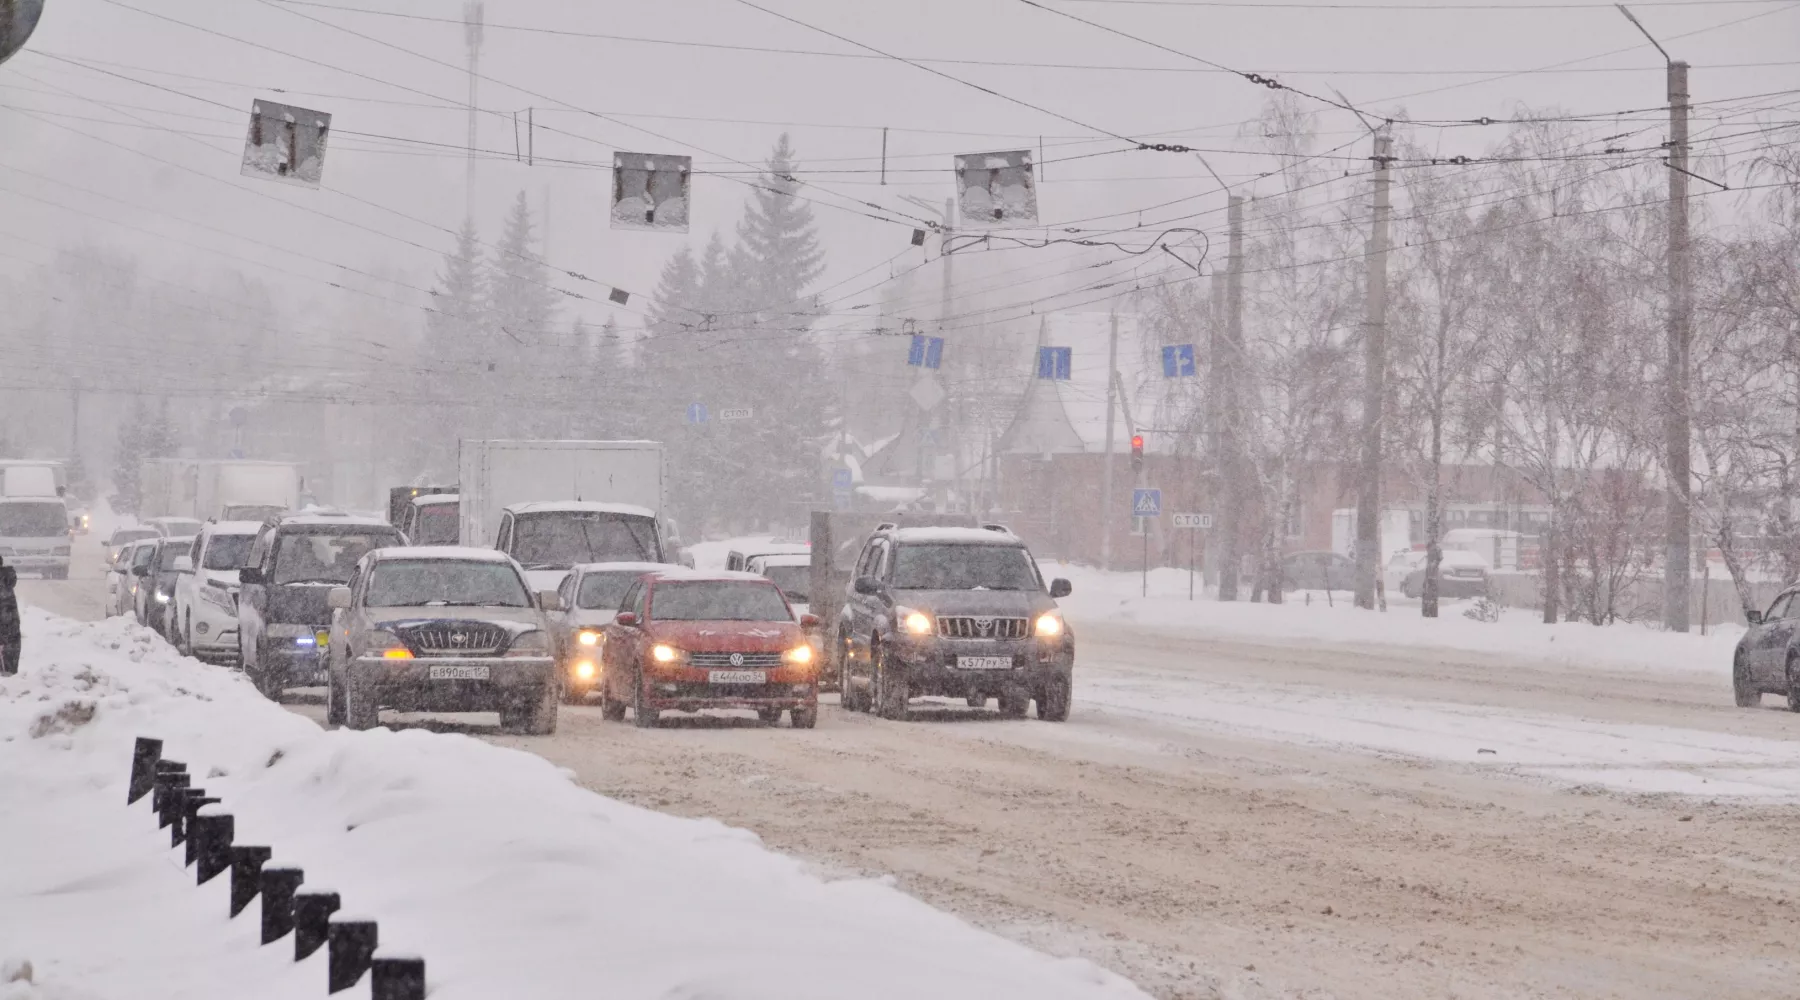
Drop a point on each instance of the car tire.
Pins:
(534, 714)
(1793, 686)
(852, 697)
(641, 717)
(1053, 700)
(334, 701)
(1743, 688)
(611, 709)
(805, 718)
(769, 716)
(978, 701)
(1014, 703)
(890, 695)
(185, 636)
(361, 711)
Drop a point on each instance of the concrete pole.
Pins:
(1230, 360)
(1368, 494)
(1106, 476)
(1677, 570)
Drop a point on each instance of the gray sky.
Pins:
(1433, 63)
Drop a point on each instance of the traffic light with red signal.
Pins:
(1137, 453)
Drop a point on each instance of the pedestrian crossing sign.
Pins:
(1146, 503)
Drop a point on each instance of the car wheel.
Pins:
(978, 701)
(1014, 703)
(534, 713)
(1053, 700)
(805, 718)
(850, 695)
(1743, 689)
(361, 711)
(643, 718)
(610, 709)
(334, 701)
(890, 694)
(770, 716)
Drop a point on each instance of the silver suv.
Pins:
(441, 629)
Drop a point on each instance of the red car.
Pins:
(686, 640)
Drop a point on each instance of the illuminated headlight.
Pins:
(589, 637)
(585, 670)
(533, 643)
(385, 644)
(162, 598)
(305, 640)
(1049, 625)
(913, 622)
(799, 655)
(664, 654)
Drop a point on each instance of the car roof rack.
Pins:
(996, 526)
(886, 526)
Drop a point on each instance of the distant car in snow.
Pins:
(1317, 571)
(174, 527)
(121, 582)
(1460, 574)
(205, 607)
(588, 601)
(1767, 658)
(121, 537)
(157, 577)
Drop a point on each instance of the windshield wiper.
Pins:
(545, 566)
(310, 579)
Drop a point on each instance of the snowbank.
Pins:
(511, 880)
(1102, 597)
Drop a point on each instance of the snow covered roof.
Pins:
(235, 527)
(957, 536)
(325, 518)
(463, 553)
(790, 559)
(683, 574)
(579, 507)
(618, 567)
(1059, 417)
(433, 498)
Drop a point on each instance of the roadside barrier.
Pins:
(206, 835)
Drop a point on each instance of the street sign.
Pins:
(737, 413)
(840, 499)
(286, 144)
(1055, 362)
(1192, 520)
(1178, 361)
(696, 413)
(841, 479)
(926, 393)
(925, 352)
(1146, 503)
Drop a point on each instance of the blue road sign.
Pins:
(235, 454)
(841, 480)
(1146, 503)
(696, 413)
(925, 352)
(1178, 361)
(840, 499)
(1055, 362)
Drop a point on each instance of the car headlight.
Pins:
(663, 653)
(1049, 624)
(533, 643)
(913, 622)
(162, 598)
(383, 643)
(589, 637)
(585, 670)
(799, 655)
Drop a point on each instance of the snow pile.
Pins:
(1114, 598)
(506, 876)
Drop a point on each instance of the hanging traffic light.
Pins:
(1137, 453)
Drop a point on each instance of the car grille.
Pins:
(454, 639)
(982, 627)
(749, 661)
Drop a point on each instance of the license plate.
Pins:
(984, 663)
(322, 639)
(447, 672)
(738, 677)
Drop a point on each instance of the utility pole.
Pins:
(1106, 476)
(473, 19)
(1215, 340)
(1231, 359)
(1368, 494)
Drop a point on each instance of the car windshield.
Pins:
(717, 601)
(228, 551)
(793, 580)
(323, 557)
(175, 549)
(603, 591)
(437, 525)
(559, 540)
(415, 583)
(143, 555)
(33, 520)
(964, 567)
(126, 535)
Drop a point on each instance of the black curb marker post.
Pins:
(214, 832)
(312, 916)
(173, 785)
(278, 885)
(191, 801)
(246, 875)
(397, 977)
(163, 768)
(143, 768)
(352, 949)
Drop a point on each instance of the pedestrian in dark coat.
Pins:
(9, 620)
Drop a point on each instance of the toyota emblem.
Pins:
(737, 659)
(459, 638)
(984, 625)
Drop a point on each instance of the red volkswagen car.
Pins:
(686, 640)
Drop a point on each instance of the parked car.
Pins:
(253, 512)
(959, 612)
(283, 618)
(1767, 659)
(1399, 566)
(792, 573)
(174, 527)
(121, 537)
(688, 640)
(587, 602)
(205, 606)
(121, 582)
(1317, 571)
(441, 629)
(739, 561)
(1460, 574)
(157, 581)
(432, 519)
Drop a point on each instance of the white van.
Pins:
(34, 535)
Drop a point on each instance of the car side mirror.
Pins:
(1060, 587)
(184, 564)
(338, 599)
(809, 621)
(250, 574)
(626, 618)
(549, 600)
(1753, 617)
(867, 585)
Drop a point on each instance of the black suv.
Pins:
(958, 612)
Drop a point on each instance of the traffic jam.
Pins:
(550, 576)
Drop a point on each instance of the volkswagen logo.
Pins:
(737, 659)
(984, 625)
(459, 638)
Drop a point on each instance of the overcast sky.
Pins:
(181, 94)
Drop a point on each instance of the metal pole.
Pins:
(1368, 497)
(1106, 474)
(1146, 592)
(1193, 543)
(472, 26)
(1231, 358)
(1677, 570)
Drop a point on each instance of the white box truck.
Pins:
(34, 521)
(230, 490)
(554, 504)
